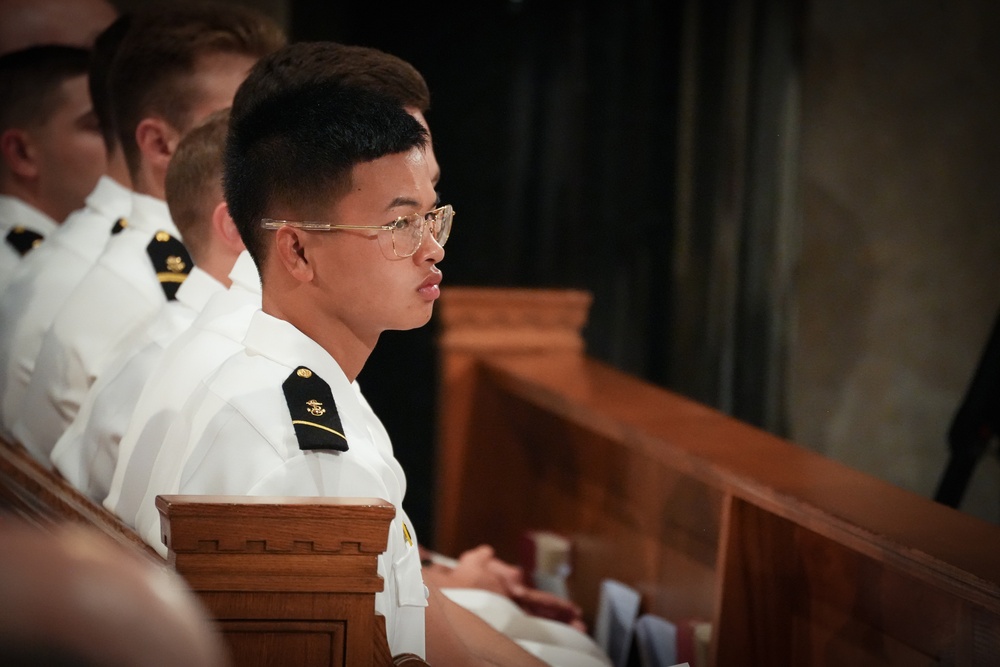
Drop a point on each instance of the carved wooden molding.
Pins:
(483, 320)
(248, 524)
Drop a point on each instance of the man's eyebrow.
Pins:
(402, 201)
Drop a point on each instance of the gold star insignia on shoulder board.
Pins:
(23, 240)
(314, 412)
(170, 260)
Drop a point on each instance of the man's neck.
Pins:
(29, 197)
(145, 182)
(347, 350)
(118, 169)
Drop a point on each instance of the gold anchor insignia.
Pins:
(304, 373)
(162, 236)
(315, 408)
(175, 264)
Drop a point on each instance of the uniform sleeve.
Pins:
(101, 315)
(87, 452)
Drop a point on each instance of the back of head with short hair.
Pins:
(105, 47)
(292, 145)
(30, 80)
(74, 597)
(151, 73)
(194, 181)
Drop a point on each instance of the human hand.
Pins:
(480, 568)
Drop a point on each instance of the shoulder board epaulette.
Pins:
(314, 412)
(23, 240)
(120, 224)
(171, 260)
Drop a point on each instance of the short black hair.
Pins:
(30, 81)
(305, 63)
(296, 146)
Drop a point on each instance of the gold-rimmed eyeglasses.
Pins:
(407, 231)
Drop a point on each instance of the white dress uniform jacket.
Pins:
(86, 453)
(44, 280)
(215, 334)
(244, 443)
(15, 214)
(114, 300)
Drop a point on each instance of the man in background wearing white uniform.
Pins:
(44, 279)
(51, 153)
(179, 63)
(86, 453)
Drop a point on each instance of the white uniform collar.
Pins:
(16, 212)
(197, 289)
(110, 199)
(296, 349)
(244, 274)
(150, 214)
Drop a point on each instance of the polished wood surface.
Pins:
(42, 497)
(794, 558)
(293, 579)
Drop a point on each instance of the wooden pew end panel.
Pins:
(289, 580)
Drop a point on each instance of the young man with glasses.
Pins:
(331, 191)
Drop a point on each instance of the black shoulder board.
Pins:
(314, 412)
(120, 224)
(23, 240)
(171, 260)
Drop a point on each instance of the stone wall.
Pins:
(899, 278)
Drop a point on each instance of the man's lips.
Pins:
(430, 288)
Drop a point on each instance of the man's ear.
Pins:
(289, 247)
(225, 229)
(18, 152)
(157, 140)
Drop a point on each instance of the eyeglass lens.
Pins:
(408, 235)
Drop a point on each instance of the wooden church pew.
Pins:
(42, 497)
(793, 558)
(288, 580)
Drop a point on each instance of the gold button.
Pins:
(305, 373)
(162, 236)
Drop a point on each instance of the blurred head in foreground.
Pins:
(73, 597)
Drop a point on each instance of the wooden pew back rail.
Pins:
(794, 559)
